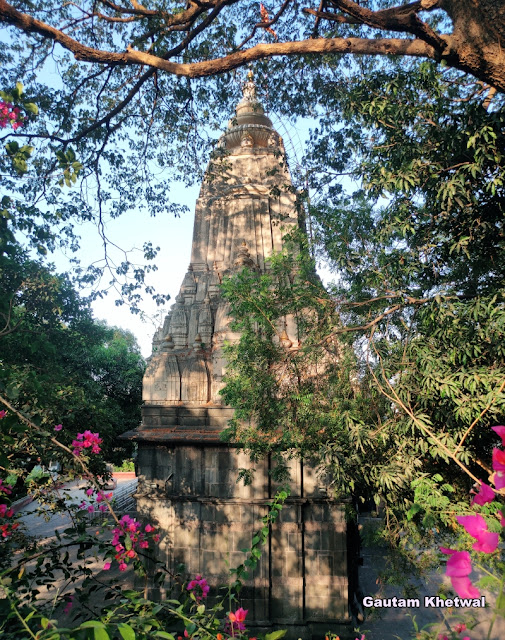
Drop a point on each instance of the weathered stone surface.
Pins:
(188, 477)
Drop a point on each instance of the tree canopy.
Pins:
(118, 95)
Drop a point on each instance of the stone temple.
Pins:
(187, 475)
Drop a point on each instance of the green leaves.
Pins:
(18, 156)
(71, 168)
(127, 633)
(276, 635)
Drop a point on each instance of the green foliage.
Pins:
(407, 345)
(59, 363)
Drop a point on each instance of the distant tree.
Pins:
(58, 363)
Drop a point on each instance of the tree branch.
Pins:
(403, 18)
(478, 55)
(365, 46)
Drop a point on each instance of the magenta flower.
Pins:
(58, 427)
(4, 488)
(485, 495)
(3, 414)
(498, 459)
(237, 619)
(476, 526)
(86, 440)
(500, 430)
(459, 567)
(201, 584)
(123, 566)
(5, 511)
(502, 519)
(106, 566)
(459, 564)
(69, 605)
(464, 588)
(499, 480)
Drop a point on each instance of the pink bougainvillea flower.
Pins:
(8, 529)
(499, 480)
(500, 430)
(459, 627)
(69, 605)
(201, 584)
(502, 519)
(5, 511)
(4, 488)
(106, 566)
(464, 587)
(459, 567)
(3, 414)
(237, 618)
(58, 427)
(476, 526)
(485, 495)
(442, 636)
(85, 441)
(123, 566)
(90, 491)
(498, 459)
(149, 528)
(459, 564)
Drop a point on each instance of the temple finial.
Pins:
(249, 88)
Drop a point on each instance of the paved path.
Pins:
(394, 624)
(43, 525)
(40, 524)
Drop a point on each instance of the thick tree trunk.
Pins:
(477, 42)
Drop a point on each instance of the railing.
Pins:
(123, 501)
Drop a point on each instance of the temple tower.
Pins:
(188, 476)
